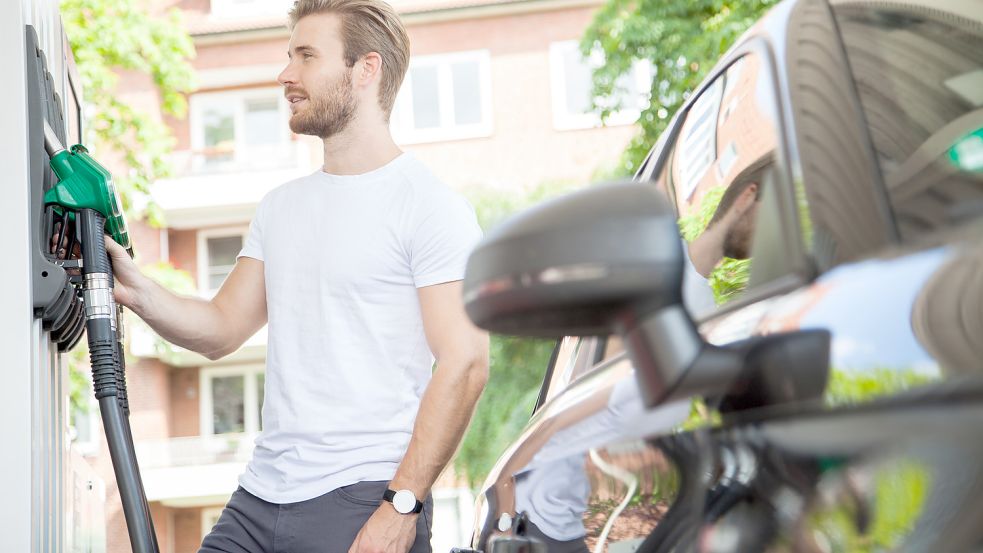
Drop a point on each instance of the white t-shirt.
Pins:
(697, 294)
(347, 358)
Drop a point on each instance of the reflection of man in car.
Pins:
(729, 232)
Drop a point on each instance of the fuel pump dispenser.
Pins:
(81, 208)
(54, 498)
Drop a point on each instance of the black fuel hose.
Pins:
(107, 379)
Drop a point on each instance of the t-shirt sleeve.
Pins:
(443, 240)
(253, 245)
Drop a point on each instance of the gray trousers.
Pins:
(325, 524)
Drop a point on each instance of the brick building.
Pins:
(496, 96)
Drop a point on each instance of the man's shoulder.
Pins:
(426, 186)
(287, 188)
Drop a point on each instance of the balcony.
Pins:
(223, 185)
(227, 158)
(144, 342)
(196, 470)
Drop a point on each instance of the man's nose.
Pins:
(286, 76)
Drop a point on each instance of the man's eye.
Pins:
(308, 56)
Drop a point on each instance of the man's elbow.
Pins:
(215, 355)
(477, 373)
(219, 351)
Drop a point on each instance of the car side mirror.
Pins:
(608, 259)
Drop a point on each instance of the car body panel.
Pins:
(887, 457)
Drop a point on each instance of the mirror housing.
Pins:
(571, 266)
(608, 259)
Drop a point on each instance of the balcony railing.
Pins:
(228, 158)
(195, 450)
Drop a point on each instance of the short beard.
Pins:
(737, 242)
(329, 113)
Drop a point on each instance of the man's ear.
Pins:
(747, 198)
(368, 69)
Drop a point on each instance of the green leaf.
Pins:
(110, 38)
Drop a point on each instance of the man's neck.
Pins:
(358, 149)
(707, 250)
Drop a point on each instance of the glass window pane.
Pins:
(426, 98)
(223, 250)
(467, 93)
(926, 123)
(222, 254)
(219, 126)
(217, 276)
(577, 77)
(219, 133)
(263, 121)
(718, 171)
(228, 404)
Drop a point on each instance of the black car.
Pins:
(774, 334)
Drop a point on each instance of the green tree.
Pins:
(682, 39)
(110, 38)
(517, 365)
(113, 37)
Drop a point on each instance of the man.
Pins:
(357, 270)
(728, 234)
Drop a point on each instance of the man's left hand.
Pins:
(386, 531)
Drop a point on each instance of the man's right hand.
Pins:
(126, 274)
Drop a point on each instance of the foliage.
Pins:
(493, 205)
(108, 38)
(78, 383)
(730, 276)
(176, 280)
(681, 38)
(516, 374)
(900, 490)
(517, 365)
(848, 387)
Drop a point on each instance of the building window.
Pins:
(572, 85)
(232, 399)
(250, 8)
(217, 251)
(444, 97)
(240, 130)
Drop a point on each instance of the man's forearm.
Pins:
(445, 411)
(189, 322)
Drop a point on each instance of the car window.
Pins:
(558, 374)
(576, 357)
(919, 75)
(717, 174)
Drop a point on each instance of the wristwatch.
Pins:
(403, 501)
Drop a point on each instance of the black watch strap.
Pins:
(389, 494)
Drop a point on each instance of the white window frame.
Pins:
(563, 118)
(402, 123)
(200, 102)
(229, 9)
(202, 249)
(208, 515)
(250, 390)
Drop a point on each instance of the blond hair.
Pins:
(367, 26)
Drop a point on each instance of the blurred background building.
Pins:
(497, 98)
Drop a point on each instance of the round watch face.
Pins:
(404, 501)
(504, 522)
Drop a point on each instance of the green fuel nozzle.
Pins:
(85, 193)
(84, 184)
